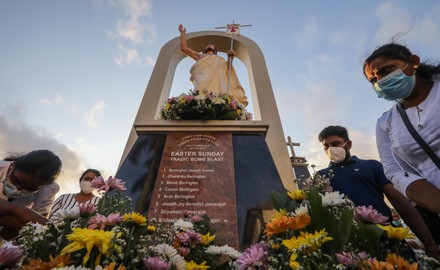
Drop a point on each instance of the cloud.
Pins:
(94, 112)
(19, 137)
(56, 100)
(127, 57)
(309, 33)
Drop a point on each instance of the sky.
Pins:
(73, 73)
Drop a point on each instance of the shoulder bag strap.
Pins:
(416, 135)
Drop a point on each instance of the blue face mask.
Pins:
(395, 85)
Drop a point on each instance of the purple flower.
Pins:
(351, 259)
(10, 256)
(189, 237)
(154, 263)
(368, 214)
(254, 257)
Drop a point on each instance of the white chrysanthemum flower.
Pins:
(302, 211)
(332, 198)
(179, 262)
(200, 96)
(166, 250)
(183, 225)
(66, 214)
(38, 228)
(218, 100)
(72, 267)
(220, 250)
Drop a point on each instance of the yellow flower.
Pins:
(281, 224)
(135, 218)
(168, 106)
(151, 228)
(293, 263)
(398, 233)
(83, 238)
(207, 238)
(194, 266)
(307, 241)
(297, 195)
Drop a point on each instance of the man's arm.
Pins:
(184, 47)
(231, 55)
(413, 219)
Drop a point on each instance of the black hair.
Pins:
(98, 173)
(333, 130)
(42, 164)
(400, 52)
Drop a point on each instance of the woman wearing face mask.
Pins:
(398, 75)
(27, 189)
(71, 201)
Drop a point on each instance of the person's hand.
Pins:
(182, 29)
(230, 52)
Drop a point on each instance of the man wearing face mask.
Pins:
(364, 182)
(67, 205)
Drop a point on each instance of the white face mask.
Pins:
(86, 187)
(336, 154)
(12, 192)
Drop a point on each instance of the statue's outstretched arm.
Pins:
(184, 47)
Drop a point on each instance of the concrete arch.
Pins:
(264, 106)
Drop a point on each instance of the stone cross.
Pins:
(291, 145)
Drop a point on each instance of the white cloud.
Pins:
(56, 100)
(127, 57)
(94, 112)
(150, 61)
(309, 33)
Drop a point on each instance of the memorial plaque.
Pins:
(196, 175)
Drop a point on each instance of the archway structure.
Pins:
(266, 116)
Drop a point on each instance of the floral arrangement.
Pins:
(313, 228)
(316, 228)
(111, 236)
(202, 105)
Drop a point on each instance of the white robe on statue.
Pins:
(211, 73)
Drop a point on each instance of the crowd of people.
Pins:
(408, 175)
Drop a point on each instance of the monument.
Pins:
(223, 168)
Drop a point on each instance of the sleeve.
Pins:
(396, 170)
(44, 199)
(57, 205)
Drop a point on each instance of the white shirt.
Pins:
(403, 159)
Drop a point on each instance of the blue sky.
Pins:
(73, 73)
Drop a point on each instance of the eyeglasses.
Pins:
(24, 181)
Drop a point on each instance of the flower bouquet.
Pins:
(112, 236)
(316, 228)
(201, 105)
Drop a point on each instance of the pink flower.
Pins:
(196, 219)
(100, 221)
(98, 183)
(254, 257)
(87, 208)
(233, 104)
(10, 256)
(189, 97)
(112, 183)
(369, 214)
(184, 251)
(154, 263)
(115, 183)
